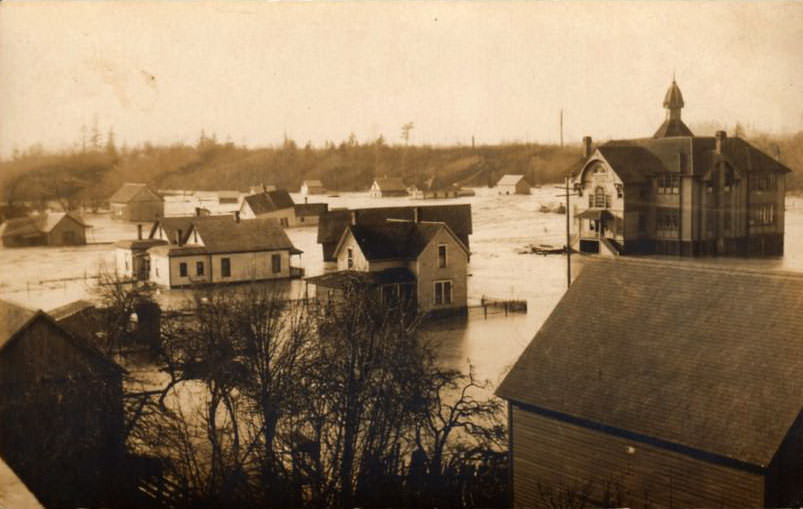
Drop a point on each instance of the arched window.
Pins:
(599, 197)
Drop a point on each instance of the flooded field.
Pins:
(49, 277)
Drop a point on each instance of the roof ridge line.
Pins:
(702, 267)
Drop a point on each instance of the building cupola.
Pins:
(673, 125)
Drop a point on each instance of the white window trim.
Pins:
(443, 286)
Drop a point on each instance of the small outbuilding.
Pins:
(309, 187)
(51, 229)
(387, 187)
(662, 384)
(136, 202)
(513, 184)
(307, 214)
(277, 204)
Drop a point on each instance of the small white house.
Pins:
(513, 184)
(309, 187)
(388, 186)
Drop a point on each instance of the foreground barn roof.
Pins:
(705, 358)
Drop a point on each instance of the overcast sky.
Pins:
(318, 71)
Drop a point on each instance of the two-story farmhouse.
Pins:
(52, 229)
(677, 193)
(333, 223)
(136, 202)
(270, 204)
(421, 263)
(223, 249)
(662, 384)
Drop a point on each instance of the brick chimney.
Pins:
(587, 147)
(416, 214)
(139, 231)
(353, 217)
(197, 211)
(178, 237)
(719, 140)
(236, 216)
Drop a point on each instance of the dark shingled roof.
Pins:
(343, 278)
(639, 159)
(703, 357)
(269, 201)
(70, 309)
(311, 209)
(127, 192)
(12, 319)
(172, 225)
(672, 127)
(390, 184)
(394, 239)
(332, 223)
(221, 234)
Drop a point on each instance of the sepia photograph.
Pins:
(401, 254)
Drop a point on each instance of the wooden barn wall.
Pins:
(549, 453)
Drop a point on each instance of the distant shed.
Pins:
(664, 385)
(53, 229)
(136, 202)
(309, 187)
(513, 184)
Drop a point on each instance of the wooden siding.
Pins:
(428, 271)
(568, 456)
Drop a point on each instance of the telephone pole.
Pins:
(567, 194)
(561, 128)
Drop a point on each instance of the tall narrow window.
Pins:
(276, 263)
(442, 255)
(599, 197)
(350, 258)
(225, 267)
(182, 269)
(199, 268)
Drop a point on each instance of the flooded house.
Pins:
(222, 249)
(679, 194)
(132, 260)
(434, 188)
(47, 229)
(61, 410)
(270, 204)
(334, 222)
(512, 184)
(662, 384)
(308, 214)
(310, 187)
(387, 187)
(417, 262)
(136, 202)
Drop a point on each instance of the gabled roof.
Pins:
(312, 183)
(269, 201)
(390, 184)
(509, 180)
(343, 278)
(395, 240)
(14, 319)
(70, 309)
(129, 191)
(672, 127)
(311, 209)
(706, 358)
(222, 234)
(39, 224)
(435, 183)
(332, 223)
(637, 160)
(172, 225)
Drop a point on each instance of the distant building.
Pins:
(307, 214)
(228, 197)
(512, 184)
(679, 194)
(424, 263)
(261, 188)
(222, 249)
(136, 202)
(61, 411)
(309, 187)
(52, 229)
(131, 256)
(387, 187)
(270, 204)
(664, 385)
(434, 188)
(334, 222)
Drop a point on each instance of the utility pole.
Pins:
(561, 128)
(567, 194)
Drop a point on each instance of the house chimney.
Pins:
(416, 214)
(778, 153)
(353, 217)
(178, 237)
(720, 138)
(139, 231)
(587, 149)
(306, 200)
(197, 211)
(264, 188)
(236, 216)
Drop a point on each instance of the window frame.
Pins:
(183, 269)
(225, 267)
(199, 268)
(443, 292)
(276, 263)
(443, 256)
(349, 257)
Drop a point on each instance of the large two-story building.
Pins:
(681, 194)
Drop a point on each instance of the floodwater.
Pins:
(49, 277)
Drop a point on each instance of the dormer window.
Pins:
(350, 258)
